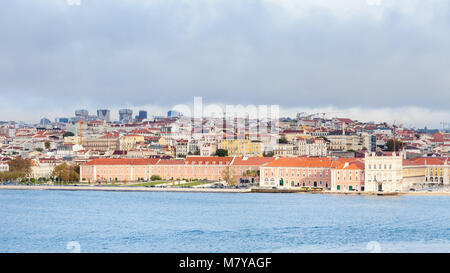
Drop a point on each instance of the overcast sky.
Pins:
(371, 58)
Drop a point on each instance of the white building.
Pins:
(312, 147)
(383, 173)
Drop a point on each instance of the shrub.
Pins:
(155, 177)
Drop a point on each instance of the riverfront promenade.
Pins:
(118, 188)
(191, 189)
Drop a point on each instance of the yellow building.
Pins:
(128, 142)
(242, 147)
(413, 174)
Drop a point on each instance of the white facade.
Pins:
(383, 173)
(314, 147)
(43, 170)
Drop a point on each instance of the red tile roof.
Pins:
(171, 162)
(212, 160)
(311, 162)
(123, 161)
(429, 160)
(353, 165)
(252, 161)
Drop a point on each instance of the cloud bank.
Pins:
(378, 56)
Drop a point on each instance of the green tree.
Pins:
(221, 152)
(155, 177)
(390, 145)
(283, 140)
(68, 134)
(47, 145)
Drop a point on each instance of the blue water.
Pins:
(50, 221)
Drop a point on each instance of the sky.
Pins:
(370, 60)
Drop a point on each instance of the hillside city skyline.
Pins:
(114, 116)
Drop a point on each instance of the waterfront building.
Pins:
(298, 172)
(43, 167)
(383, 173)
(437, 171)
(413, 173)
(113, 170)
(193, 167)
(433, 170)
(241, 165)
(348, 176)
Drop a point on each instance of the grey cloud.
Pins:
(112, 53)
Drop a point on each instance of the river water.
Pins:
(95, 221)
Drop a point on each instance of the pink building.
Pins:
(348, 176)
(193, 167)
(116, 169)
(309, 172)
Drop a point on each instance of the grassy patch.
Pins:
(193, 184)
(149, 183)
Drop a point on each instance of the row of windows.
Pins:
(295, 183)
(386, 166)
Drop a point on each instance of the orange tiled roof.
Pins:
(197, 160)
(311, 162)
(252, 161)
(123, 161)
(171, 162)
(353, 165)
(429, 160)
